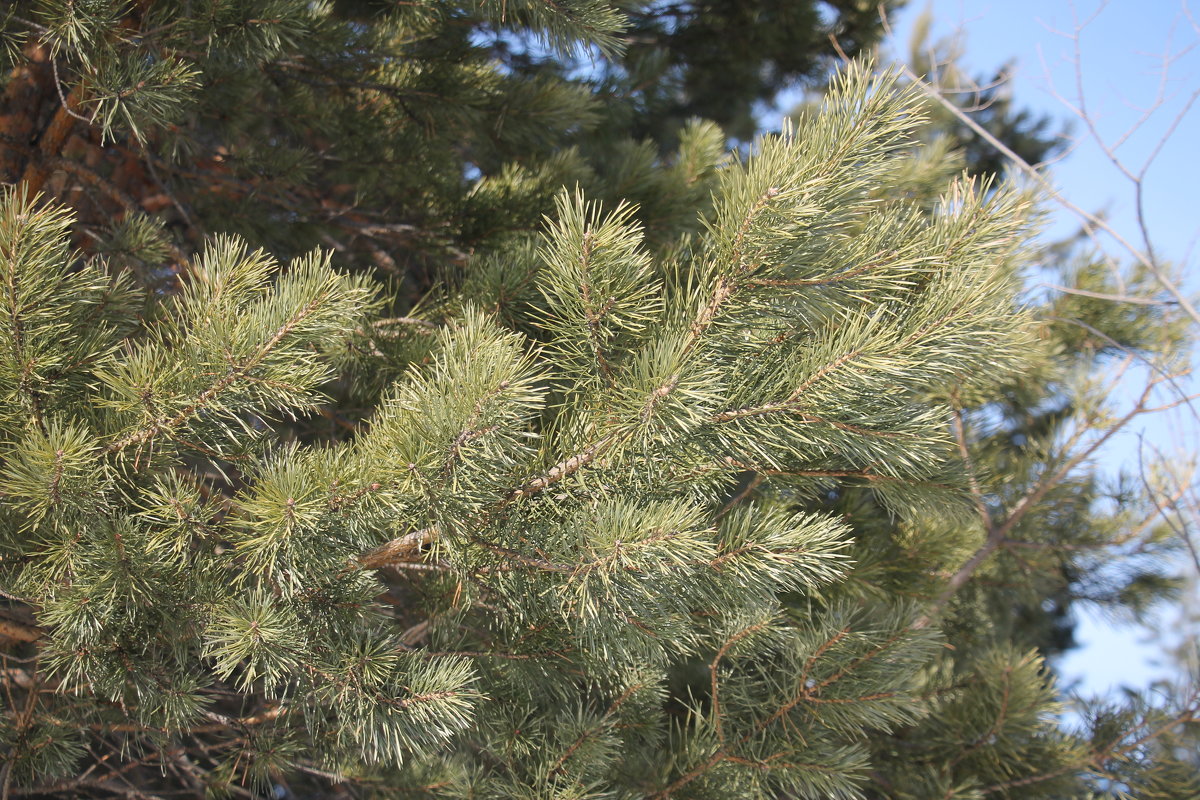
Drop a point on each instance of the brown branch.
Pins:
(19, 631)
(1096, 222)
(564, 468)
(419, 323)
(790, 406)
(714, 687)
(1097, 757)
(745, 492)
(960, 437)
(52, 140)
(994, 728)
(726, 286)
(401, 549)
(805, 693)
(25, 90)
(857, 474)
(740, 239)
(560, 763)
(997, 536)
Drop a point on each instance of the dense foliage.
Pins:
(381, 415)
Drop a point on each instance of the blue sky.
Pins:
(1121, 52)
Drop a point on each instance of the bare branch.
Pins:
(1145, 258)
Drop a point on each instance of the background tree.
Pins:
(689, 499)
(364, 126)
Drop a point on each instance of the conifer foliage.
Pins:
(574, 526)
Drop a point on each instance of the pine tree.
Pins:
(669, 485)
(1057, 530)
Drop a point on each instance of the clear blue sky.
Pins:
(1121, 52)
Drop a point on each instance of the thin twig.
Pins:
(1025, 167)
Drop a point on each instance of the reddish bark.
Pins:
(51, 142)
(22, 106)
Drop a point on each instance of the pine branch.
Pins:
(593, 315)
(964, 452)
(713, 666)
(806, 693)
(238, 372)
(1144, 258)
(997, 536)
(405, 547)
(559, 764)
